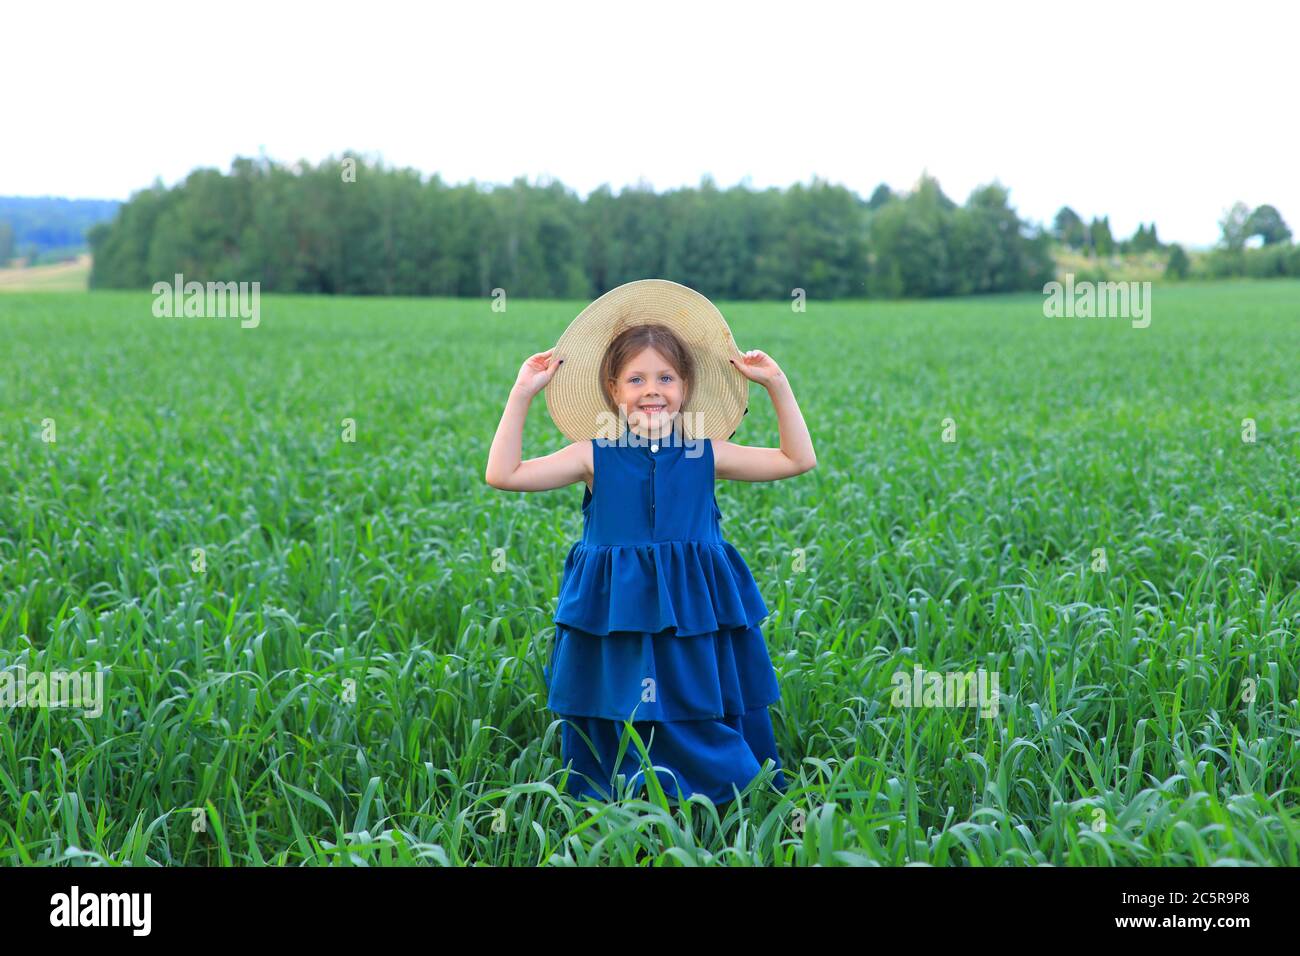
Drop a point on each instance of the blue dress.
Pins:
(658, 623)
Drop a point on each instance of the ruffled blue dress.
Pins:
(658, 622)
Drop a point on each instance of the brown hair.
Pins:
(631, 341)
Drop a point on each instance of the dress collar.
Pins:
(657, 447)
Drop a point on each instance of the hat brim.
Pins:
(717, 398)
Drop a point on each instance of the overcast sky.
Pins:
(1137, 110)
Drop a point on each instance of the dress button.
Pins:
(654, 447)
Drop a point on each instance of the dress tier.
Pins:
(658, 622)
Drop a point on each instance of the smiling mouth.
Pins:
(653, 408)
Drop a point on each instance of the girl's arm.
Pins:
(794, 457)
(570, 464)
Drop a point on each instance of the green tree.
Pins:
(1069, 228)
(991, 252)
(882, 194)
(1143, 240)
(1099, 237)
(912, 243)
(1232, 227)
(823, 236)
(1267, 223)
(1178, 264)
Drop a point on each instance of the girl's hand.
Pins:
(537, 371)
(757, 366)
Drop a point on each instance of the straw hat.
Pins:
(716, 400)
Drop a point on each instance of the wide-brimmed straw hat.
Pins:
(716, 399)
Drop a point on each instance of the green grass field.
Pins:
(355, 674)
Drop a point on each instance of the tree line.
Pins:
(1271, 255)
(1255, 243)
(351, 226)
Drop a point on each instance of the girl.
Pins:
(658, 616)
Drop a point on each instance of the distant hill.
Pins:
(52, 227)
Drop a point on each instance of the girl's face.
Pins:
(651, 391)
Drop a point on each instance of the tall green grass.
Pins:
(387, 569)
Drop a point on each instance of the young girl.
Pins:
(658, 616)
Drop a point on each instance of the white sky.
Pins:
(1137, 109)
